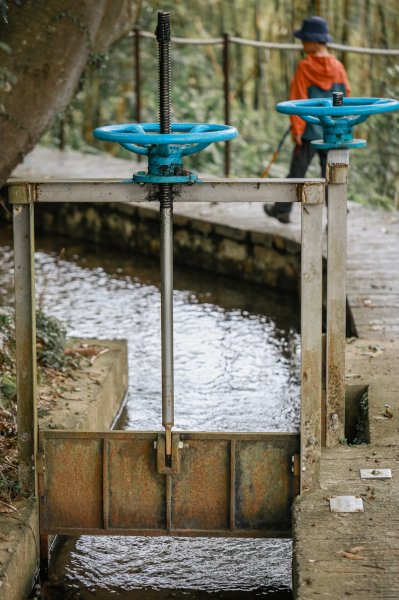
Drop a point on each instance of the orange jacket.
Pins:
(316, 77)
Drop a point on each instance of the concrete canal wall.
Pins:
(199, 240)
(208, 236)
(93, 407)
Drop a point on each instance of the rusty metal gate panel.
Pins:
(227, 484)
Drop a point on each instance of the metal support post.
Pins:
(25, 328)
(226, 72)
(337, 177)
(311, 340)
(166, 213)
(62, 134)
(167, 316)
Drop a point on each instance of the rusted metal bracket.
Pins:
(338, 166)
(22, 193)
(311, 193)
(162, 467)
(337, 173)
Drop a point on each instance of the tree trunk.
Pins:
(45, 48)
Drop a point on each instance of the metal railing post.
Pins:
(25, 329)
(226, 87)
(311, 338)
(337, 177)
(61, 134)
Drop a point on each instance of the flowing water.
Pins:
(236, 369)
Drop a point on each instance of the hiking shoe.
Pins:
(271, 211)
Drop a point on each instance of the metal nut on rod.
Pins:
(337, 98)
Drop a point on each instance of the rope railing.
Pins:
(359, 50)
(272, 45)
(225, 42)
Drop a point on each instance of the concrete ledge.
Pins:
(101, 389)
(355, 554)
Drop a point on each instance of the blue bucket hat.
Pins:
(314, 29)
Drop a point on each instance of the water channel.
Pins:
(236, 369)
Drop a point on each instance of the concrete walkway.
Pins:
(335, 555)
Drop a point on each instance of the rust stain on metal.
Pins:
(337, 173)
(335, 408)
(264, 485)
(229, 484)
(23, 193)
(310, 192)
(201, 492)
(73, 483)
(137, 491)
(335, 400)
(310, 421)
(161, 455)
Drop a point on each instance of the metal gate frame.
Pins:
(308, 192)
(223, 484)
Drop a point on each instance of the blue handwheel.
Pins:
(337, 121)
(147, 134)
(165, 150)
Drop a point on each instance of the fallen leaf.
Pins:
(352, 556)
(388, 412)
(6, 508)
(103, 351)
(89, 351)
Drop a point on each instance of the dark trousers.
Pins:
(300, 161)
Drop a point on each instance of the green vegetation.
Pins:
(52, 361)
(51, 339)
(259, 79)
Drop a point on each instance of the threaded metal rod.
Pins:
(166, 216)
(163, 38)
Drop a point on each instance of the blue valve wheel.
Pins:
(137, 137)
(323, 107)
(165, 151)
(337, 121)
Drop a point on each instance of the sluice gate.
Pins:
(220, 484)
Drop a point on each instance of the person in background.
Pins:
(317, 76)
